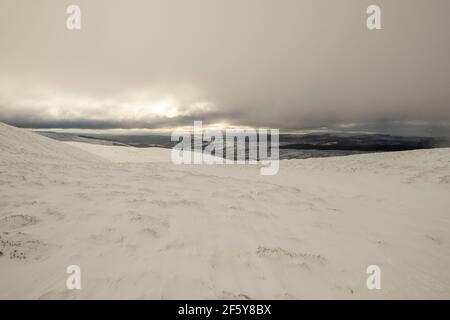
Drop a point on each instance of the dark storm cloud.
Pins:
(288, 64)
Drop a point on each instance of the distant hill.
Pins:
(292, 146)
(360, 142)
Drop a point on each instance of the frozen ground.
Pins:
(141, 227)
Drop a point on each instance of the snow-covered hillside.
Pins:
(158, 230)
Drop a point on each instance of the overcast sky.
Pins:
(287, 64)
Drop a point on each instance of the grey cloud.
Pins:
(289, 64)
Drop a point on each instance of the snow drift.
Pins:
(157, 230)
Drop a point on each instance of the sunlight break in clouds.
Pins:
(133, 106)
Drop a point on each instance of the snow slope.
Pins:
(18, 145)
(158, 230)
(125, 154)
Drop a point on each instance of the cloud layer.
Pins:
(288, 64)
